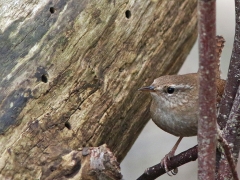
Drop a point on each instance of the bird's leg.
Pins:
(168, 156)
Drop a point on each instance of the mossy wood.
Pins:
(70, 71)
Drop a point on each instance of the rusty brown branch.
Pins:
(207, 94)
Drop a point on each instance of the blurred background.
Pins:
(153, 143)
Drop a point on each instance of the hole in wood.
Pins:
(128, 14)
(68, 125)
(121, 69)
(44, 78)
(52, 10)
(52, 168)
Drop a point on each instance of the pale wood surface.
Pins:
(70, 71)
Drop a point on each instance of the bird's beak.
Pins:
(147, 88)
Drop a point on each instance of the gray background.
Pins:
(153, 143)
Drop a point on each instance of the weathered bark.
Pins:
(70, 71)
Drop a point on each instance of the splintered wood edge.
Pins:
(85, 163)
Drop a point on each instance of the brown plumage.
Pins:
(174, 106)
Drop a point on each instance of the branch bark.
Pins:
(228, 118)
(207, 131)
(232, 82)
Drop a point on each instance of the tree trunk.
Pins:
(70, 71)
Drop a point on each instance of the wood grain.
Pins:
(70, 71)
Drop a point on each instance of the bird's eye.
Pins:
(170, 89)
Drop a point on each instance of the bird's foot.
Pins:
(168, 157)
(164, 163)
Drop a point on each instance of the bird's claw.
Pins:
(164, 164)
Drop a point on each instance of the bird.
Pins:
(174, 106)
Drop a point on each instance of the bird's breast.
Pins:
(179, 122)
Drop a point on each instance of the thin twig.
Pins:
(176, 161)
(227, 151)
(231, 134)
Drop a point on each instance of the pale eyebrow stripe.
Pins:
(181, 86)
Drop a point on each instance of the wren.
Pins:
(174, 106)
